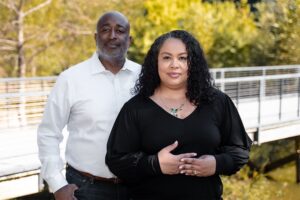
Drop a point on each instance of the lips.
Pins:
(173, 75)
(112, 45)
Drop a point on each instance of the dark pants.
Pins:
(90, 189)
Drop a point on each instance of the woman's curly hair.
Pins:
(200, 83)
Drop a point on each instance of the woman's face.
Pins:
(172, 64)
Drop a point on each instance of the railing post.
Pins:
(297, 145)
(263, 87)
(260, 98)
(280, 98)
(223, 82)
(22, 103)
(298, 109)
(7, 104)
(237, 94)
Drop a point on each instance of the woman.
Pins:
(176, 104)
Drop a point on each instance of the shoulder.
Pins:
(219, 94)
(133, 64)
(136, 102)
(80, 68)
(76, 72)
(221, 99)
(135, 67)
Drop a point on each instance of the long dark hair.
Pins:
(199, 83)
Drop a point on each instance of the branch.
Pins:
(10, 6)
(44, 48)
(9, 56)
(7, 48)
(10, 42)
(75, 29)
(37, 7)
(82, 32)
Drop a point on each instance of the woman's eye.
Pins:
(183, 58)
(166, 57)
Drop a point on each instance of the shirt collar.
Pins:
(97, 66)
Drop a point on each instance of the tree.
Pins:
(227, 33)
(279, 22)
(19, 11)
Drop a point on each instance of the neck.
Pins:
(112, 64)
(171, 94)
(173, 100)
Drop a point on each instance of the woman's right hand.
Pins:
(169, 163)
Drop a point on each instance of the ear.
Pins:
(130, 40)
(95, 37)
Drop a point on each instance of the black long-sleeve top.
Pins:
(143, 128)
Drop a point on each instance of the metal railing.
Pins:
(22, 100)
(262, 87)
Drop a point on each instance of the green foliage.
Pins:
(280, 25)
(225, 32)
(241, 187)
(272, 151)
(62, 33)
(78, 26)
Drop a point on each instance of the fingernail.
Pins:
(180, 167)
(194, 154)
(182, 160)
(181, 172)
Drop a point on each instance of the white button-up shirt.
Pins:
(87, 98)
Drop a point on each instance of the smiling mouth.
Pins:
(174, 75)
(113, 46)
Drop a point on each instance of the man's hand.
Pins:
(170, 163)
(66, 192)
(202, 166)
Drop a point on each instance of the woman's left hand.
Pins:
(203, 166)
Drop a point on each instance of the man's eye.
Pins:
(121, 31)
(104, 29)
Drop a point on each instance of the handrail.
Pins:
(253, 84)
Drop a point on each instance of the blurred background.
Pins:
(41, 38)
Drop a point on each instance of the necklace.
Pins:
(173, 111)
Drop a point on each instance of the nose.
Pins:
(174, 63)
(112, 34)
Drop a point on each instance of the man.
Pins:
(87, 98)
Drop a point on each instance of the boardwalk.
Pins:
(268, 104)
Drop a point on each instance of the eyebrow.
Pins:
(118, 25)
(171, 54)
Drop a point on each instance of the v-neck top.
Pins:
(143, 128)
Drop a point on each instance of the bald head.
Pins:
(112, 36)
(122, 19)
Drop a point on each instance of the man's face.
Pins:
(112, 37)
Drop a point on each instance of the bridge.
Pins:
(268, 99)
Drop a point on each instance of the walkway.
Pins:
(267, 98)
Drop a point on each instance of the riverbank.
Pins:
(279, 184)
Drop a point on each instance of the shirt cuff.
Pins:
(56, 182)
(224, 164)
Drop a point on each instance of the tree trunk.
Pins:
(20, 48)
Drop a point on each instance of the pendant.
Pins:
(174, 111)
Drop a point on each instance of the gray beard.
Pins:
(109, 56)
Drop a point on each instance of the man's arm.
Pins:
(50, 135)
